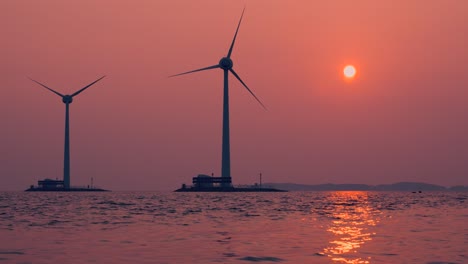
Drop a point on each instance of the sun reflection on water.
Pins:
(351, 224)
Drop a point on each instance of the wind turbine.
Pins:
(226, 64)
(67, 100)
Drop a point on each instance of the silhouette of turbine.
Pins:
(226, 64)
(67, 100)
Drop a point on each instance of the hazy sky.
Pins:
(403, 118)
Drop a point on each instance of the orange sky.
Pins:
(404, 117)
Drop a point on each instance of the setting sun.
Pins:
(349, 71)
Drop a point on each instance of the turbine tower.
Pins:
(226, 64)
(67, 100)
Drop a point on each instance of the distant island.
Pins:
(400, 186)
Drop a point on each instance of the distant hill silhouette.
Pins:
(409, 186)
(400, 186)
(459, 188)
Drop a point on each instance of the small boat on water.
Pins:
(49, 185)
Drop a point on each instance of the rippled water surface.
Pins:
(295, 227)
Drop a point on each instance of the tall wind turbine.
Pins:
(226, 65)
(67, 100)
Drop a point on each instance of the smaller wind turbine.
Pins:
(67, 100)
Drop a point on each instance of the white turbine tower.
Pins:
(67, 100)
(226, 65)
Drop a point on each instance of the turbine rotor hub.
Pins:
(226, 63)
(67, 99)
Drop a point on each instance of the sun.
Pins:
(349, 71)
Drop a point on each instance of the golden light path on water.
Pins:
(353, 219)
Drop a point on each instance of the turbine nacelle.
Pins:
(67, 99)
(226, 63)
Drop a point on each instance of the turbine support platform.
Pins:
(205, 183)
(49, 185)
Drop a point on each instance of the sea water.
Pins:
(294, 227)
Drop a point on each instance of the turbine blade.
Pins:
(55, 92)
(240, 80)
(235, 35)
(87, 86)
(202, 69)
